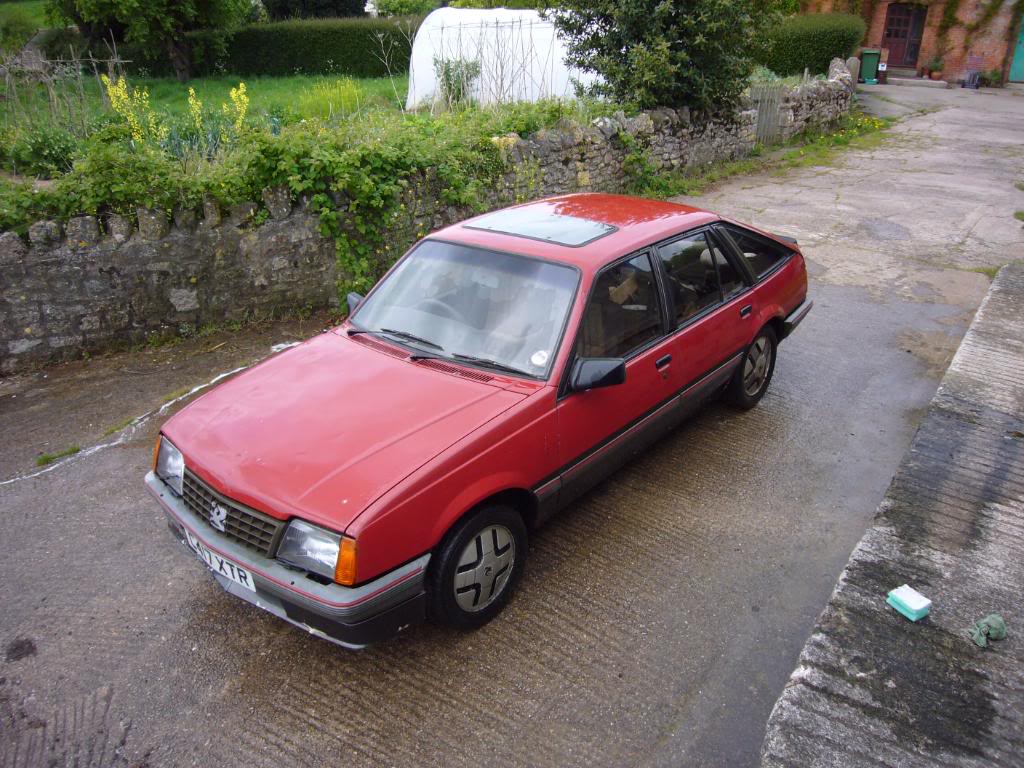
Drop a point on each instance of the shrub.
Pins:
(405, 7)
(16, 27)
(64, 43)
(811, 42)
(310, 9)
(300, 46)
(693, 53)
(313, 46)
(43, 151)
(991, 79)
(455, 79)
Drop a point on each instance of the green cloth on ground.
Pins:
(992, 627)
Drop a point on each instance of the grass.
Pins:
(176, 394)
(34, 8)
(1018, 215)
(291, 98)
(48, 458)
(118, 427)
(306, 95)
(1020, 185)
(989, 272)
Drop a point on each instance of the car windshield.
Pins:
(493, 310)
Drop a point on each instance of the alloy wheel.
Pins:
(756, 365)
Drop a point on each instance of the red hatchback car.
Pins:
(390, 469)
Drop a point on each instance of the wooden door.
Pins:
(904, 27)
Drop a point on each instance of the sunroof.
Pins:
(539, 223)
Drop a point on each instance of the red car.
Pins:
(391, 469)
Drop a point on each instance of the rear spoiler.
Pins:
(786, 238)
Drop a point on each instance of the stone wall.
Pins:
(85, 285)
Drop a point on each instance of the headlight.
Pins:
(170, 465)
(319, 551)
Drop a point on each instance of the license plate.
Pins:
(220, 565)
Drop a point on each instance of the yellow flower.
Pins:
(195, 110)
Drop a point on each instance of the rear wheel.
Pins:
(476, 568)
(754, 374)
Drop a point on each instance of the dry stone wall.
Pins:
(86, 285)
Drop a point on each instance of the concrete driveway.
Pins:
(658, 618)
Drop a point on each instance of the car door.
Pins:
(708, 296)
(601, 428)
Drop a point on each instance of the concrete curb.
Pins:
(872, 688)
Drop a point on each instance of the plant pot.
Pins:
(936, 75)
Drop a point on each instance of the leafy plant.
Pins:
(992, 79)
(455, 80)
(46, 151)
(405, 7)
(692, 53)
(811, 42)
(16, 27)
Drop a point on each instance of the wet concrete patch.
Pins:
(19, 648)
(885, 229)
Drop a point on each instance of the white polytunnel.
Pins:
(512, 55)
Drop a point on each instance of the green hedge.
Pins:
(311, 46)
(346, 46)
(811, 42)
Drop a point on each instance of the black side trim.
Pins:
(549, 485)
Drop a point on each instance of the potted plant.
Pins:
(935, 68)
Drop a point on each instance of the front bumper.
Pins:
(353, 617)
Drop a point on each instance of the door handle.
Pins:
(745, 311)
(661, 362)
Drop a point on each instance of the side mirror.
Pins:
(596, 372)
(353, 300)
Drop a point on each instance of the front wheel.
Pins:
(754, 374)
(476, 568)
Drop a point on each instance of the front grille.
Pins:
(246, 526)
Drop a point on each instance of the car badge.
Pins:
(218, 515)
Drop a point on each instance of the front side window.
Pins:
(623, 312)
(761, 254)
(692, 274)
(489, 309)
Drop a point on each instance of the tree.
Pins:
(162, 24)
(310, 9)
(694, 53)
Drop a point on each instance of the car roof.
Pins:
(598, 228)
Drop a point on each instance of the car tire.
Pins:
(476, 568)
(754, 373)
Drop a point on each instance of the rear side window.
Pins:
(761, 254)
(691, 265)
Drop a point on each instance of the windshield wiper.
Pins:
(410, 337)
(487, 363)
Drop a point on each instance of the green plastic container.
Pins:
(869, 58)
(909, 602)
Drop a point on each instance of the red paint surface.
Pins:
(393, 452)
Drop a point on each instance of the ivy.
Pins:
(372, 181)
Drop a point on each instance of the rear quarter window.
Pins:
(761, 254)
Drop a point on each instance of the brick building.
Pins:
(967, 35)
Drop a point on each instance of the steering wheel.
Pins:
(446, 310)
